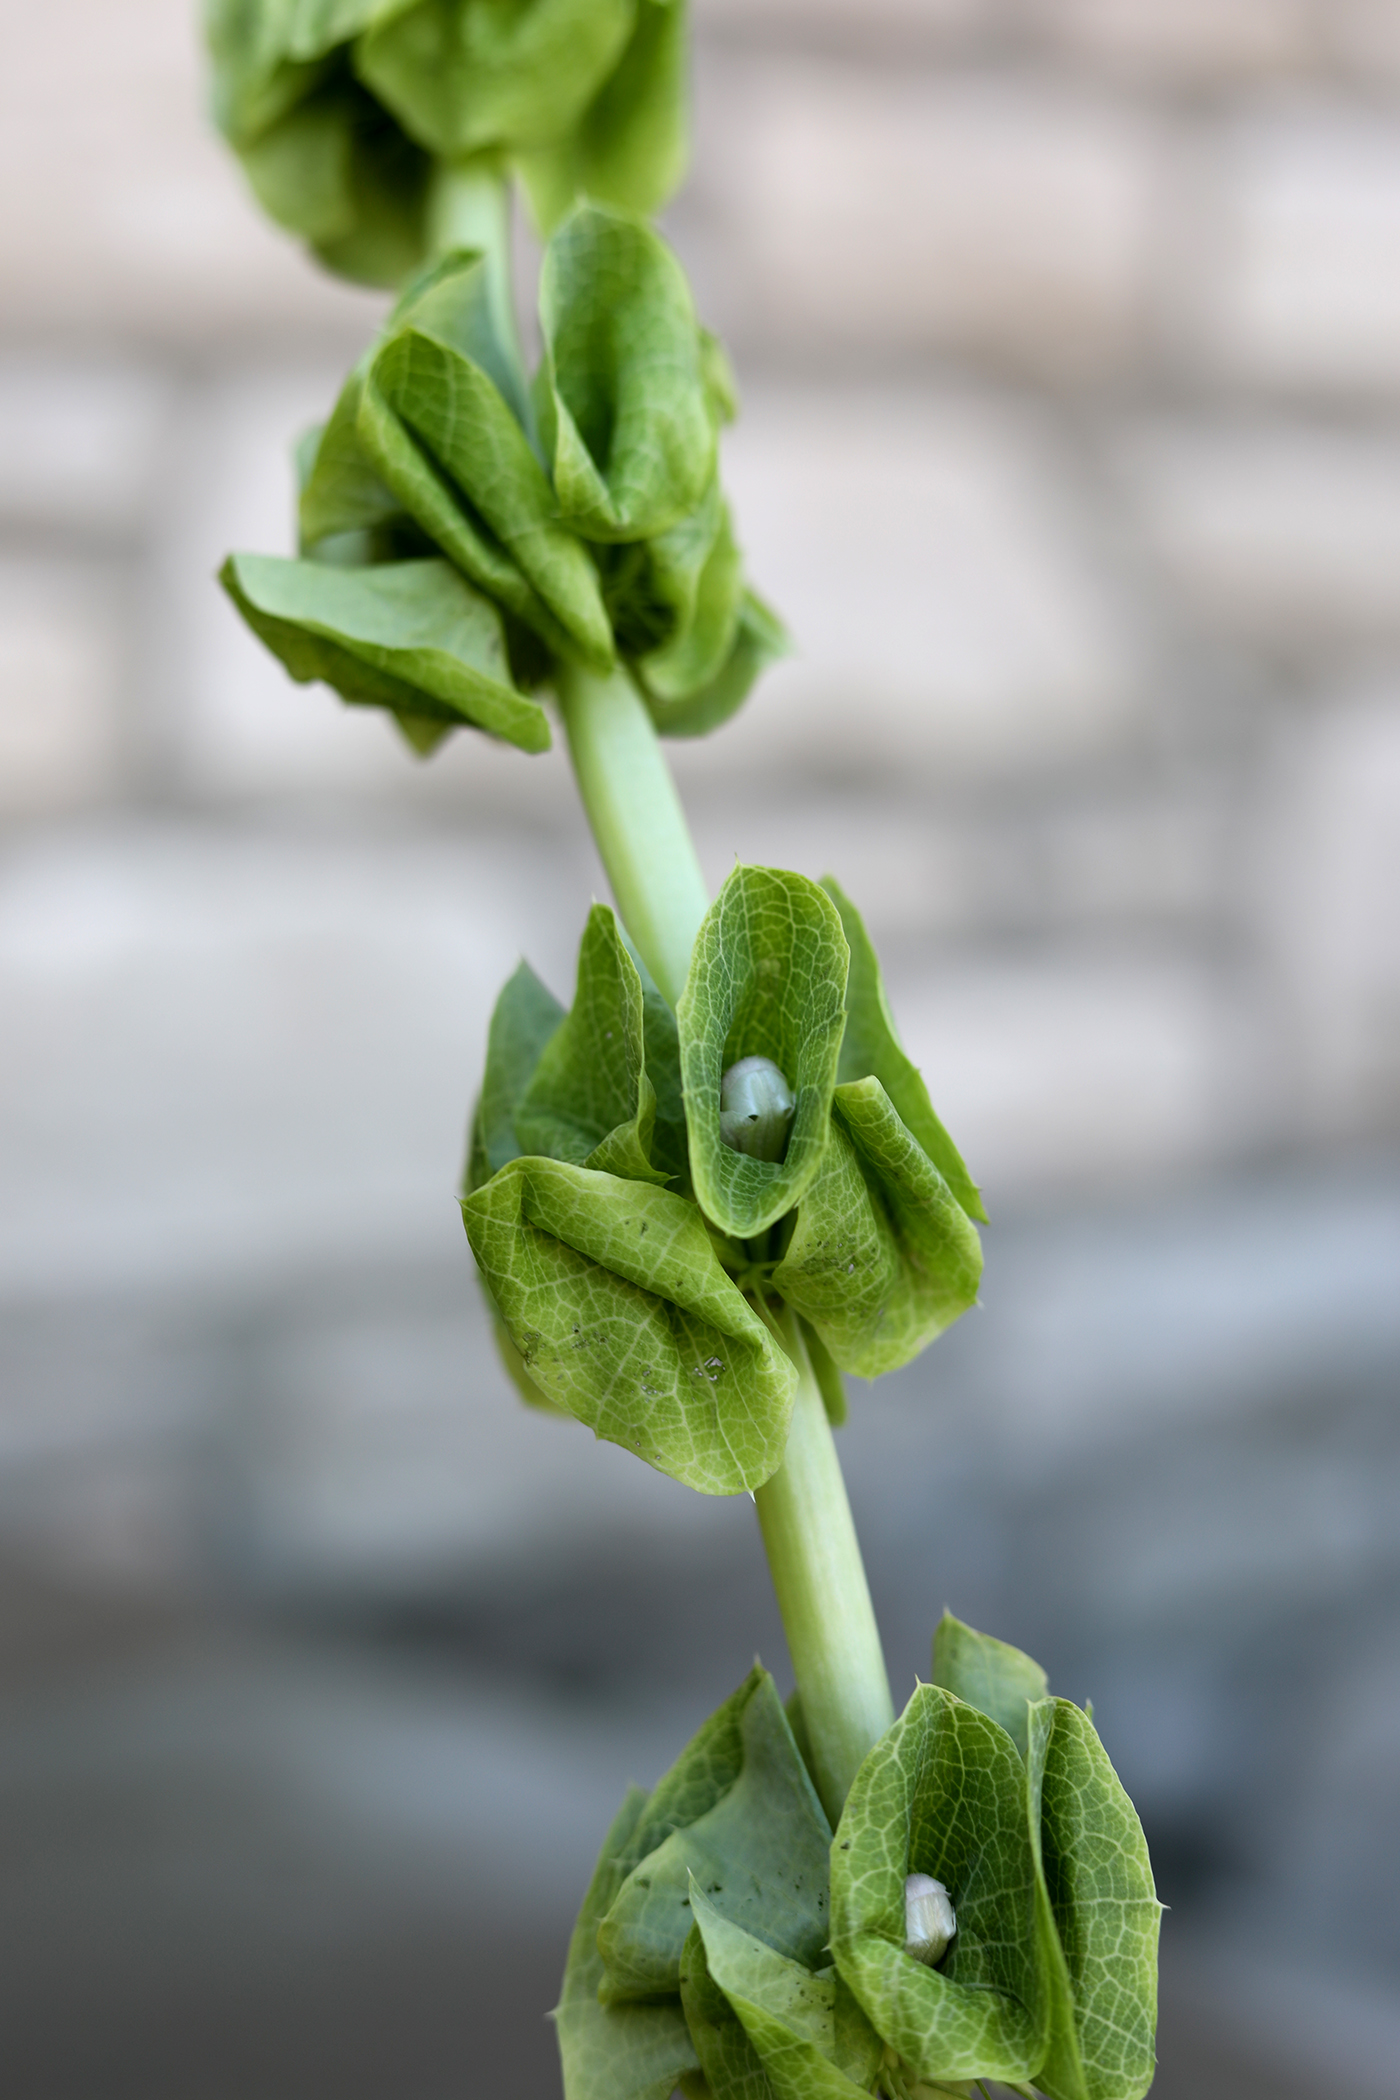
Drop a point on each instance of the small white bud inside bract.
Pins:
(755, 1108)
(929, 1919)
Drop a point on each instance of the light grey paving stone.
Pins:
(1199, 42)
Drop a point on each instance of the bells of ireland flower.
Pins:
(463, 534)
(983, 1911)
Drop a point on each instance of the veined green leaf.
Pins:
(444, 515)
(461, 75)
(767, 979)
(871, 1048)
(999, 1680)
(709, 599)
(1103, 1912)
(625, 415)
(340, 490)
(760, 1853)
(590, 1100)
(615, 2052)
(629, 147)
(728, 2060)
(412, 637)
(943, 1793)
(526, 1016)
(805, 2031)
(701, 1776)
(459, 417)
(759, 640)
(616, 1301)
(452, 301)
(881, 1257)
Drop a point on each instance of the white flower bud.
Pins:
(929, 1919)
(755, 1108)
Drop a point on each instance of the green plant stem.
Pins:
(819, 1577)
(803, 1511)
(469, 207)
(637, 820)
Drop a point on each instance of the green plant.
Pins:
(716, 1183)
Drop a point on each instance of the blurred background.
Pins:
(1069, 334)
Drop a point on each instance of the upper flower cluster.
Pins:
(464, 532)
(342, 110)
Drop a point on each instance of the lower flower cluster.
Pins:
(732, 1944)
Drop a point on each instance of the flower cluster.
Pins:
(636, 1259)
(733, 1945)
(464, 534)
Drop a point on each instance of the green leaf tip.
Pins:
(595, 529)
(997, 1679)
(871, 1048)
(412, 637)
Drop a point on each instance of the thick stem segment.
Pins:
(819, 1577)
(469, 207)
(638, 823)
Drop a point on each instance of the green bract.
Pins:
(616, 1105)
(341, 110)
(767, 979)
(711, 1892)
(612, 1293)
(607, 1284)
(584, 521)
(409, 636)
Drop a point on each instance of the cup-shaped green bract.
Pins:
(767, 979)
(340, 110)
(611, 1291)
(943, 1793)
(735, 1828)
(606, 1284)
(1097, 1914)
(882, 1254)
(881, 1258)
(628, 420)
(758, 1849)
(593, 530)
(589, 1099)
